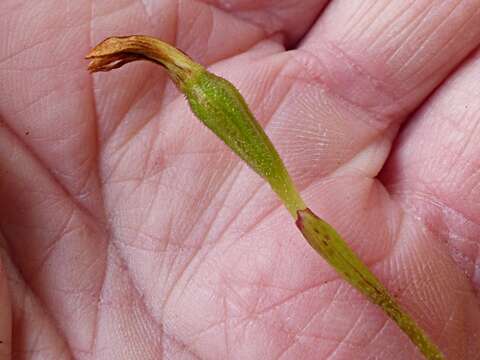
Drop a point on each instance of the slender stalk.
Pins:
(328, 243)
(219, 105)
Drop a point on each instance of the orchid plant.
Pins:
(220, 106)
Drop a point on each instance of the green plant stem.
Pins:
(328, 243)
(219, 105)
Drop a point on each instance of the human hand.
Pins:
(129, 231)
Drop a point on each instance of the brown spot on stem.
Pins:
(300, 219)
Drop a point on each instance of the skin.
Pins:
(127, 230)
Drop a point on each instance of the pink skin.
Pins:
(128, 231)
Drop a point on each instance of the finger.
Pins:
(5, 317)
(434, 168)
(387, 56)
(357, 74)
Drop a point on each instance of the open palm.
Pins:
(128, 231)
